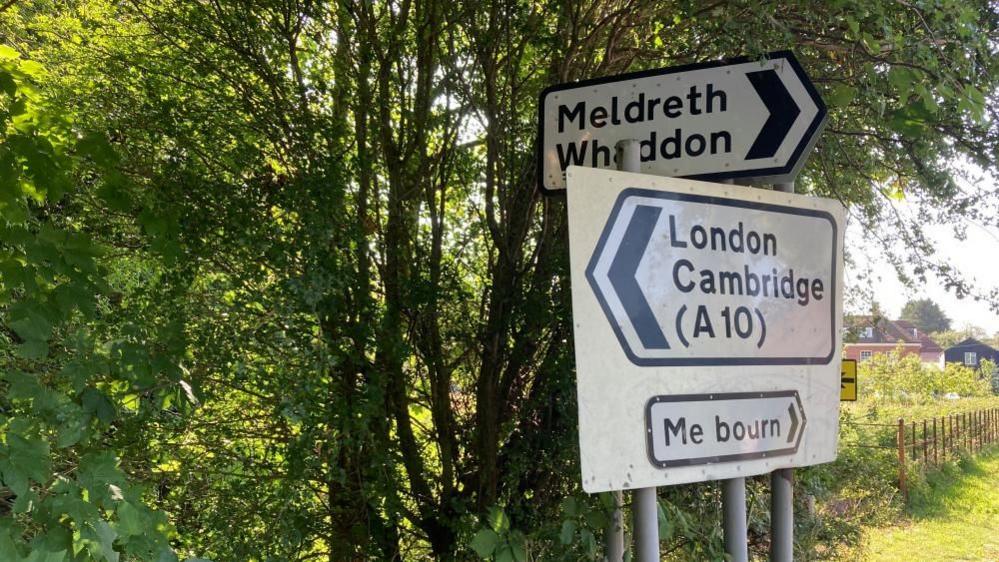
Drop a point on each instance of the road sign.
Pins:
(690, 278)
(717, 304)
(848, 381)
(691, 429)
(735, 118)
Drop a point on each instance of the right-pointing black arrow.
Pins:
(622, 276)
(783, 113)
(794, 423)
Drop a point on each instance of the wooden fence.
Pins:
(934, 441)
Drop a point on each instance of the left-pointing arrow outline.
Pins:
(623, 270)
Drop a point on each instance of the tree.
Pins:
(323, 229)
(926, 315)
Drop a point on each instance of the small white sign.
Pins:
(702, 300)
(727, 119)
(690, 429)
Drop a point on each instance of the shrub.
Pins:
(894, 376)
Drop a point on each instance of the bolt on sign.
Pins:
(848, 381)
(706, 326)
(736, 118)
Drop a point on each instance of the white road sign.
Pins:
(708, 305)
(689, 429)
(725, 119)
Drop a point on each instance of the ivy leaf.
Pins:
(498, 520)
(568, 531)
(484, 543)
(571, 507)
(505, 554)
(517, 546)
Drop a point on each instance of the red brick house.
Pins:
(867, 336)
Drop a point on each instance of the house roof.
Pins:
(892, 331)
(884, 330)
(928, 344)
(970, 342)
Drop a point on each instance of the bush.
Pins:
(893, 376)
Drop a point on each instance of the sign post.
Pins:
(707, 330)
(738, 118)
(644, 503)
(782, 490)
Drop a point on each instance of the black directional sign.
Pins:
(735, 118)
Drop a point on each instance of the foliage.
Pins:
(896, 375)
(953, 517)
(926, 315)
(66, 384)
(314, 304)
(950, 338)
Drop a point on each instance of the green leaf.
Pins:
(30, 323)
(484, 543)
(902, 79)
(129, 520)
(571, 507)
(498, 520)
(597, 519)
(842, 95)
(505, 554)
(517, 545)
(568, 532)
(95, 402)
(22, 385)
(107, 535)
(8, 548)
(7, 84)
(25, 458)
(96, 472)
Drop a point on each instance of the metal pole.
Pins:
(615, 530)
(645, 519)
(782, 490)
(645, 509)
(734, 511)
(734, 522)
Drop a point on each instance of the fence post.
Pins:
(943, 429)
(978, 431)
(900, 437)
(965, 443)
(936, 461)
(912, 426)
(925, 443)
(978, 422)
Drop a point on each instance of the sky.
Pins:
(977, 258)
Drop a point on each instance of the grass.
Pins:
(954, 516)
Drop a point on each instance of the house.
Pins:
(971, 352)
(930, 351)
(880, 335)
